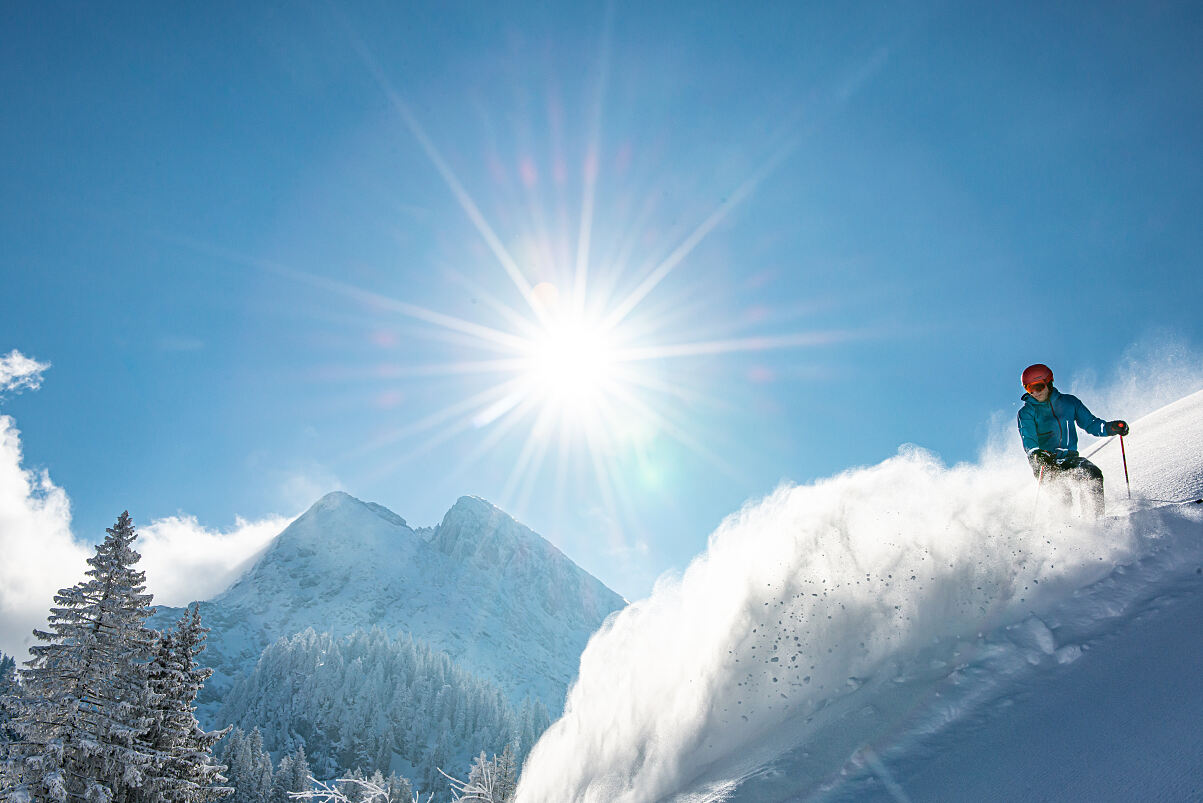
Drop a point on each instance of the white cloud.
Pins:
(185, 561)
(18, 372)
(38, 555)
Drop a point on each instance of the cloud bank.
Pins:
(185, 561)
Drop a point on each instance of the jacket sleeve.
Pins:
(1027, 430)
(1087, 421)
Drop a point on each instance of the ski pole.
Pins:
(1036, 504)
(1124, 453)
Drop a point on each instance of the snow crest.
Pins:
(816, 609)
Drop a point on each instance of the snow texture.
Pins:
(833, 633)
(492, 594)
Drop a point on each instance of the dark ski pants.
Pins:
(1075, 471)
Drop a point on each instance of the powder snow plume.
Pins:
(799, 600)
(826, 599)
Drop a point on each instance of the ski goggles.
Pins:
(1036, 387)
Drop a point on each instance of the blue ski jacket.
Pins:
(1050, 425)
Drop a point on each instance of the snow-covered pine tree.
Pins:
(86, 703)
(533, 721)
(291, 775)
(262, 777)
(249, 767)
(188, 774)
(10, 700)
(400, 789)
(432, 771)
(506, 769)
(358, 787)
(233, 749)
(489, 781)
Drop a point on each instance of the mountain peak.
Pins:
(473, 524)
(475, 503)
(340, 500)
(333, 500)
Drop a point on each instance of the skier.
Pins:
(1046, 426)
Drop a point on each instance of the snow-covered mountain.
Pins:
(912, 631)
(491, 593)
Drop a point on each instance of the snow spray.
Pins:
(799, 600)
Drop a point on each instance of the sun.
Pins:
(571, 362)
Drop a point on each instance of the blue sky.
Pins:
(218, 223)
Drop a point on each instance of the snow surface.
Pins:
(911, 631)
(494, 595)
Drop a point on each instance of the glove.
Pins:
(1117, 428)
(1040, 457)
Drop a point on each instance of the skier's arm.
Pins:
(1087, 421)
(1027, 431)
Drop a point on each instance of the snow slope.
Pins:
(910, 631)
(495, 596)
(1122, 723)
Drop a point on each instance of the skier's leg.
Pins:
(1091, 483)
(1063, 491)
(1089, 479)
(1059, 487)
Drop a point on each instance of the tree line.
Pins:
(375, 703)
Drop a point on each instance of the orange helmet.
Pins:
(1037, 373)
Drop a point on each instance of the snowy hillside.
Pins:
(495, 596)
(912, 631)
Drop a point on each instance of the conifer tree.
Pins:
(10, 700)
(188, 773)
(507, 770)
(489, 781)
(233, 756)
(291, 775)
(399, 789)
(356, 787)
(436, 759)
(249, 767)
(86, 702)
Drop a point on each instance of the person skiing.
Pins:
(1046, 426)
